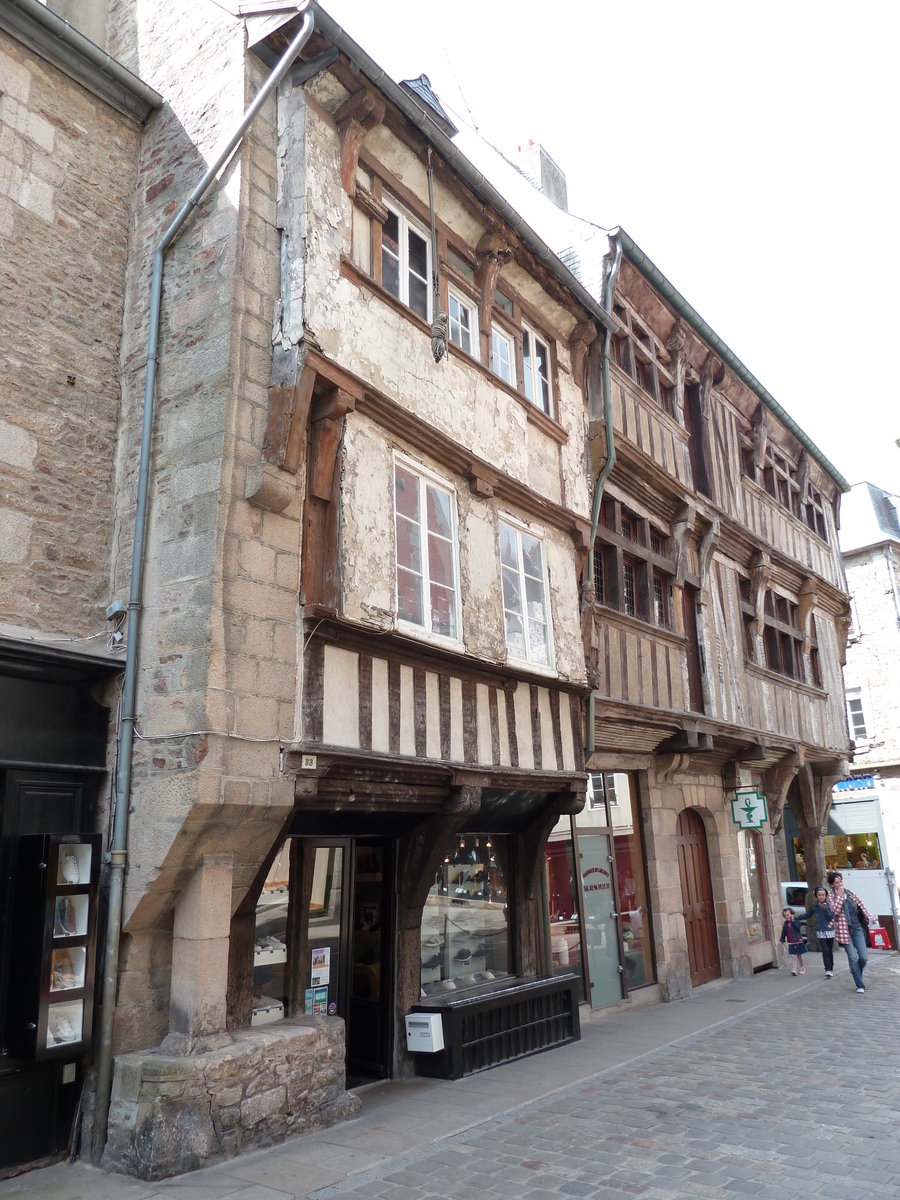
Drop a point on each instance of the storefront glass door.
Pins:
(601, 926)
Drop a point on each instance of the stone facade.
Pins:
(67, 174)
(870, 539)
(174, 1114)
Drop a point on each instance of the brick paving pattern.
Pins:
(800, 1099)
(773, 1087)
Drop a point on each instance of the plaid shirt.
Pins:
(836, 904)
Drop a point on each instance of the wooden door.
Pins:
(697, 898)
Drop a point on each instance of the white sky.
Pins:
(750, 150)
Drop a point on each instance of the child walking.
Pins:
(790, 933)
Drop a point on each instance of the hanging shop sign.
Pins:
(748, 808)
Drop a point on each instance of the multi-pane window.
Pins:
(502, 358)
(462, 322)
(536, 366)
(813, 513)
(629, 594)
(633, 570)
(782, 636)
(526, 608)
(427, 552)
(640, 356)
(406, 262)
(856, 716)
(659, 601)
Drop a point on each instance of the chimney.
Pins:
(539, 169)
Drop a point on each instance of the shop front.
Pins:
(596, 884)
(372, 909)
(53, 734)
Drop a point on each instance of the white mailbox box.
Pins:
(424, 1033)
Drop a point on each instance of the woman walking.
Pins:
(825, 920)
(790, 933)
(848, 931)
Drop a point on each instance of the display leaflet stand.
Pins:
(55, 924)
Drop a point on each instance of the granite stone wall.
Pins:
(68, 165)
(171, 1114)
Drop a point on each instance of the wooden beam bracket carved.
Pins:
(682, 528)
(492, 251)
(359, 113)
(423, 849)
(580, 340)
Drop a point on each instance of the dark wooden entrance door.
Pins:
(697, 898)
(370, 961)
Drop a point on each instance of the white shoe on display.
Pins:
(69, 867)
(61, 1028)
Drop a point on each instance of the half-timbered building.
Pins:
(719, 625)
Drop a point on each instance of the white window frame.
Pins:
(509, 340)
(533, 378)
(427, 477)
(454, 296)
(861, 693)
(405, 223)
(519, 528)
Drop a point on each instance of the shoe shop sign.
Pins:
(748, 808)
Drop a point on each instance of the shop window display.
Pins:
(562, 896)
(270, 957)
(465, 923)
(843, 851)
(753, 886)
(634, 909)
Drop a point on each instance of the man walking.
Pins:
(848, 932)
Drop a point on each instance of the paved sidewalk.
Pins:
(772, 1087)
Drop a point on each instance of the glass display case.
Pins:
(465, 930)
(57, 885)
(270, 953)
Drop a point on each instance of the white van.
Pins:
(793, 896)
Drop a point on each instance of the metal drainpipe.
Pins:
(601, 479)
(118, 845)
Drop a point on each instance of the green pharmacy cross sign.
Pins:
(748, 808)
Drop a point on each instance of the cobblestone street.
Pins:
(800, 1099)
(795, 1094)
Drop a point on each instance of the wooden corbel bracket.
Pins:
(359, 113)
(682, 528)
(481, 481)
(327, 427)
(760, 574)
(492, 252)
(579, 343)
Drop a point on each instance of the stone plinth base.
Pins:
(171, 1113)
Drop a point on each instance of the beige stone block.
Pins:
(258, 561)
(204, 909)
(280, 531)
(287, 571)
(256, 716)
(199, 985)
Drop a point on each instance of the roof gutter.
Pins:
(460, 164)
(672, 296)
(37, 27)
